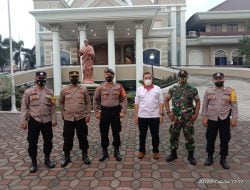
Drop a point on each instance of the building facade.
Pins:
(125, 34)
(213, 36)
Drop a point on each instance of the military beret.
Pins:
(218, 75)
(182, 73)
(108, 70)
(74, 74)
(41, 74)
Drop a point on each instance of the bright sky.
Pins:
(23, 24)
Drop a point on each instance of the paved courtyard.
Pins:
(131, 173)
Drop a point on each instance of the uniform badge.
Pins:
(233, 97)
(53, 100)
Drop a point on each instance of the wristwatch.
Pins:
(162, 113)
(168, 112)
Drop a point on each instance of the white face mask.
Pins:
(147, 82)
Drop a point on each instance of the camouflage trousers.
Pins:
(188, 131)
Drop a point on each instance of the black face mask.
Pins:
(41, 82)
(219, 83)
(109, 78)
(74, 81)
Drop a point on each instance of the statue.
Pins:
(87, 54)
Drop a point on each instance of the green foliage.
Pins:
(165, 82)
(5, 92)
(131, 100)
(5, 87)
(244, 49)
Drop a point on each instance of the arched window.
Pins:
(220, 57)
(151, 57)
(237, 58)
(65, 57)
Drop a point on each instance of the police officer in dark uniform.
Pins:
(38, 114)
(219, 104)
(110, 104)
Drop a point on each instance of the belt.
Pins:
(105, 108)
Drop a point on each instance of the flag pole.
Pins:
(13, 91)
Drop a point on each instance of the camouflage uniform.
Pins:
(183, 109)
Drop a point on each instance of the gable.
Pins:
(104, 3)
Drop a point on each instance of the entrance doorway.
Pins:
(220, 57)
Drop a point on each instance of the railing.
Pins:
(224, 33)
(165, 2)
(213, 66)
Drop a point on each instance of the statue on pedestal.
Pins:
(87, 54)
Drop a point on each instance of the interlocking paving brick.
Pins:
(131, 173)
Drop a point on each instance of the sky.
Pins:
(23, 23)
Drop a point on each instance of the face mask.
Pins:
(109, 78)
(219, 83)
(41, 82)
(182, 79)
(74, 81)
(147, 82)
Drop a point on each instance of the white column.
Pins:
(56, 59)
(183, 37)
(82, 33)
(173, 37)
(139, 52)
(38, 50)
(111, 46)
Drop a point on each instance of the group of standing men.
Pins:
(38, 113)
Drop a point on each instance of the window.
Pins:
(237, 58)
(216, 28)
(151, 57)
(232, 27)
(220, 57)
(65, 58)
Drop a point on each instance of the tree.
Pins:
(29, 54)
(244, 49)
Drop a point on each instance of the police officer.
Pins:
(183, 115)
(38, 114)
(110, 104)
(75, 109)
(218, 104)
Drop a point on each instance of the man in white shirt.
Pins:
(149, 105)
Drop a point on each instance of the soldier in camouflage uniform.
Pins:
(183, 115)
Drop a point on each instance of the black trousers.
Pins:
(153, 125)
(110, 116)
(69, 132)
(34, 128)
(223, 126)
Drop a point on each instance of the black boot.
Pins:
(223, 163)
(85, 157)
(49, 163)
(33, 167)
(209, 161)
(191, 158)
(104, 155)
(172, 156)
(117, 154)
(66, 160)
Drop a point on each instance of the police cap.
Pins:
(182, 73)
(218, 75)
(41, 74)
(108, 70)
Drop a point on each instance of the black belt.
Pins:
(105, 108)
